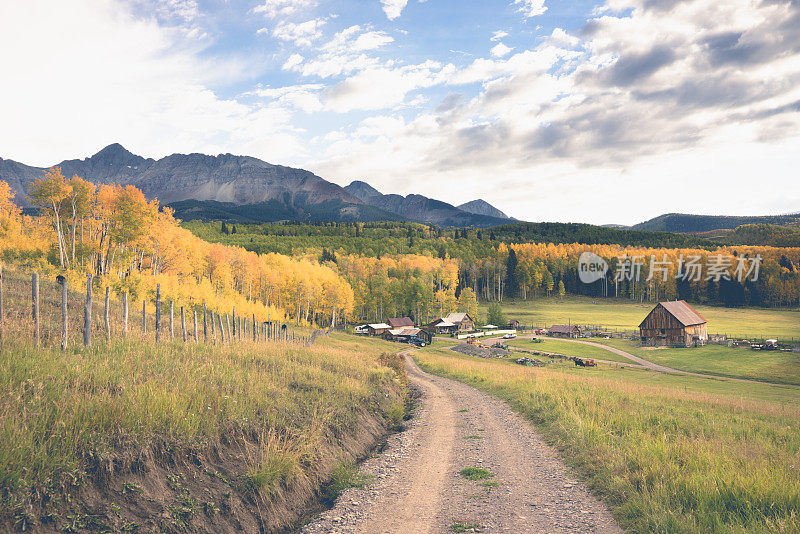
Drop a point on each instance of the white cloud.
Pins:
(293, 61)
(393, 8)
(531, 8)
(275, 8)
(301, 34)
(696, 94)
(382, 87)
(500, 50)
(345, 53)
(499, 34)
(303, 97)
(95, 74)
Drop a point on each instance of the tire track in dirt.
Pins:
(418, 489)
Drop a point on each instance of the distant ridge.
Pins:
(481, 207)
(684, 223)
(421, 208)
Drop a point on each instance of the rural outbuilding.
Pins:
(440, 326)
(377, 329)
(401, 322)
(674, 323)
(564, 330)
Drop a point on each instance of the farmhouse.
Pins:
(401, 322)
(564, 330)
(463, 321)
(674, 323)
(454, 322)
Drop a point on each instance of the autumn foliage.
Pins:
(131, 245)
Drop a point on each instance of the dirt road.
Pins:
(641, 362)
(417, 486)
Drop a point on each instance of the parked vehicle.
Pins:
(509, 336)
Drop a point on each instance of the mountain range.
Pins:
(247, 189)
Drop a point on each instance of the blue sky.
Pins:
(611, 111)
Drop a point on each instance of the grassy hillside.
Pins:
(667, 453)
(170, 436)
(739, 362)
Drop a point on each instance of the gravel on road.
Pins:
(518, 483)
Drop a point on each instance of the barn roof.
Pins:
(562, 328)
(456, 317)
(397, 322)
(379, 326)
(685, 314)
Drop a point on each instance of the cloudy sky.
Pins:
(561, 111)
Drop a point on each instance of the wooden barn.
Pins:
(401, 322)
(674, 323)
(377, 329)
(564, 330)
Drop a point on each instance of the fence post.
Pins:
(125, 314)
(144, 318)
(63, 315)
(105, 316)
(254, 327)
(158, 312)
(205, 323)
(171, 328)
(213, 329)
(1, 302)
(234, 323)
(87, 313)
(221, 327)
(195, 325)
(228, 326)
(35, 307)
(183, 324)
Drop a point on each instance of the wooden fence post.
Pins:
(228, 325)
(183, 324)
(35, 307)
(254, 327)
(234, 323)
(195, 326)
(125, 314)
(221, 328)
(171, 311)
(63, 315)
(213, 329)
(105, 316)
(1, 302)
(158, 312)
(205, 323)
(87, 313)
(144, 318)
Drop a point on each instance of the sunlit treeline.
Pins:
(131, 245)
(539, 267)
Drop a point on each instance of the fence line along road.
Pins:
(49, 327)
